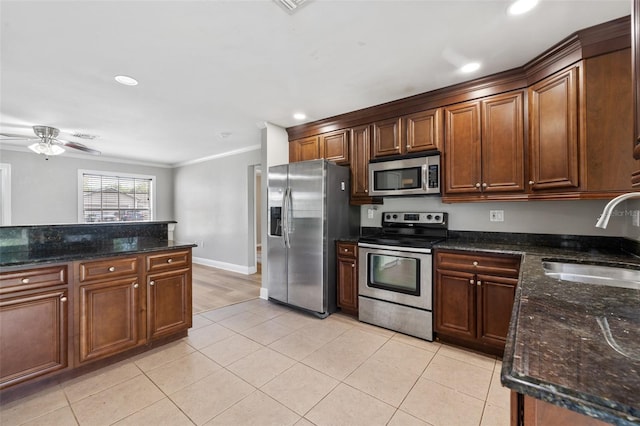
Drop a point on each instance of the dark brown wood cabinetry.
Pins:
(417, 132)
(387, 136)
(334, 146)
(473, 298)
(528, 411)
(635, 70)
(108, 307)
(359, 165)
(347, 277)
(304, 149)
(168, 293)
(484, 145)
(34, 315)
(553, 130)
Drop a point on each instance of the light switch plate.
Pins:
(496, 215)
(370, 213)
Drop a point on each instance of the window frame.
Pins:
(82, 172)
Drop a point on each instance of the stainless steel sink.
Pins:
(614, 276)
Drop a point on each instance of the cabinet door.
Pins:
(462, 148)
(635, 70)
(386, 137)
(503, 143)
(304, 149)
(455, 303)
(335, 146)
(423, 131)
(34, 336)
(495, 302)
(347, 285)
(553, 131)
(169, 302)
(108, 317)
(360, 156)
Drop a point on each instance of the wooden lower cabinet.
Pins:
(168, 302)
(528, 411)
(347, 277)
(474, 295)
(109, 315)
(34, 333)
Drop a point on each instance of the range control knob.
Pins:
(429, 217)
(438, 217)
(395, 216)
(388, 216)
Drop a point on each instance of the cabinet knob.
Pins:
(479, 283)
(169, 260)
(477, 185)
(484, 184)
(112, 268)
(470, 281)
(135, 285)
(25, 281)
(63, 299)
(475, 263)
(152, 283)
(346, 250)
(353, 265)
(531, 182)
(366, 190)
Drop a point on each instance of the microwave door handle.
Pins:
(425, 177)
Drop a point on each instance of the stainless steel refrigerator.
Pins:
(309, 210)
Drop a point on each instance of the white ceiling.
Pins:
(208, 67)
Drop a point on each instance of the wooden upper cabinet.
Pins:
(635, 70)
(553, 131)
(423, 131)
(359, 164)
(334, 146)
(462, 148)
(304, 149)
(503, 143)
(387, 137)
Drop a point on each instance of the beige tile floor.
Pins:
(258, 363)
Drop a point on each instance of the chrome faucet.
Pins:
(608, 209)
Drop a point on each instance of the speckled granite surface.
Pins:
(37, 244)
(571, 344)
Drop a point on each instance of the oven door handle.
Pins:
(395, 248)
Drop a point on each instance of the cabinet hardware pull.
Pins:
(25, 281)
(475, 263)
(531, 182)
(477, 184)
(346, 250)
(63, 299)
(135, 285)
(169, 260)
(484, 184)
(112, 268)
(353, 265)
(152, 283)
(471, 282)
(479, 283)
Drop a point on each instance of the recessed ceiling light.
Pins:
(519, 7)
(470, 67)
(126, 80)
(299, 116)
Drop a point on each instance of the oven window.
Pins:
(394, 273)
(409, 178)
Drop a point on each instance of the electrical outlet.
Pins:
(199, 243)
(370, 213)
(636, 218)
(496, 215)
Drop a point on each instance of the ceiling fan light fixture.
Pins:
(126, 80)
(46, 149)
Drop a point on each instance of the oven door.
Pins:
(400, 275)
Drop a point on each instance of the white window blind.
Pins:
(114, 198)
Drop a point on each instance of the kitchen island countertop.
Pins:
(574, 345)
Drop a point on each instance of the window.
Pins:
(111, 197)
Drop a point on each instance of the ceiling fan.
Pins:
(47, 142)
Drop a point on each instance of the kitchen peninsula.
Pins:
(76, 297)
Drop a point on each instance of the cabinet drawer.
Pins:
(28, 279)
(109, 268)
(347, 249)
(506, 265)
(168, 260)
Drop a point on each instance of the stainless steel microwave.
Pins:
(405, 176)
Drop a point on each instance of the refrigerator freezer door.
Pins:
(276, 249)
(307, 236)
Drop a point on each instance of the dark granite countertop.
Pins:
(571, 344)
(84, 251)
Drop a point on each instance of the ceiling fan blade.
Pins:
(14, 136)
(78, 146)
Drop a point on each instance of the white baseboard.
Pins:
(247, 270)
(264, 293)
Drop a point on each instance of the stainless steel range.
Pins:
(396, 272)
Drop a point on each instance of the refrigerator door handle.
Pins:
(285, 217)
